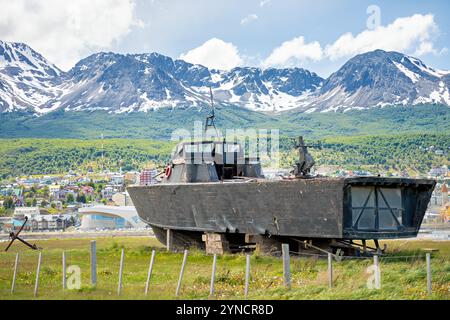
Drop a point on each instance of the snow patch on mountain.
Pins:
(27, 80)
(414, 77)
(124, 83)
(424, 68)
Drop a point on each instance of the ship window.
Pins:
(207, 148)
(387, 221)
(390, 208)
(191, 148)
(232, 147)
(376, 208)
(362, 200)
(361, 195)
(393, 198)
(367, 220)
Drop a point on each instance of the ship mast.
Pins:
(210, 118)
(210, 123)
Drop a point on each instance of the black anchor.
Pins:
(15, 236)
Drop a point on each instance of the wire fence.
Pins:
(342, 257)
(34, 276)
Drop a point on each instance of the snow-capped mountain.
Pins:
(142, 82)
(381, 78)
(122, 83)
(266, 90)
(27, 80)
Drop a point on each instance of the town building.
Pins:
(54, 190)
(109, 217)
(116, 179)
(22, 212)
(438, 204)
(438, 171)
(121, 199)
(147, 177)
(87, 190)
(4, 223)
(132, 177)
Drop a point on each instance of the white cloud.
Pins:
(214, 53)
(66, 31)
(424, 48)
(248, 19)
(410, 35)
(264, 2)
(294, 52)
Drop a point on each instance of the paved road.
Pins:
(434, 234)
(78, 234)
(425, 233)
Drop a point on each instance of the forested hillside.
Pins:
(159, 125)
(43, 156)
(413, 152)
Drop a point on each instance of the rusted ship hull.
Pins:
(328, 208)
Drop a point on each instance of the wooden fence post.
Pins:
(64, 279)
(181, 273)
(377, 272)
(286, 265)
(330, 270)
(38, 270)
(150, 269)
(428, 255)
(247, 275)
(169, 240)
(16, 266)
(213, 275)
(93, 263)
(119, 288)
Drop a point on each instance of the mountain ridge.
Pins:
(125, 83)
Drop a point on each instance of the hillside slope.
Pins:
(379, 154)
(161, 123)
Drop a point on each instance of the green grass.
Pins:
(401, 278)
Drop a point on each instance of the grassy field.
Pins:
(401, 278)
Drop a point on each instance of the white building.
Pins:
(116, 179)
(54, 189)
(48, 223)
(438, 171)
(22, 212)
(109, 217)
(122, 199)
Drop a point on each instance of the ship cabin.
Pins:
(211, 161)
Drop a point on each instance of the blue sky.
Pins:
(284, 33)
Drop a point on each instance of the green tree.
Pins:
(3, 211)
(81, 198)
(8, 203)
(70, 198)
